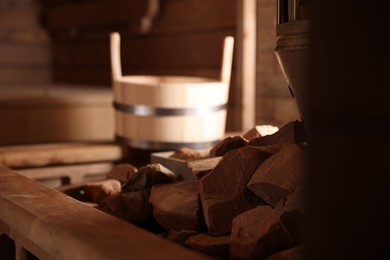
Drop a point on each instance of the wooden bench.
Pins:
(50, 225)
(63, 163)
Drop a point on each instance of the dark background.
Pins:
(349, 183)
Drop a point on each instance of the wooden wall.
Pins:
(186, 39)
(24, 44)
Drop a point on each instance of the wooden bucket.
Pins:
(170, 112)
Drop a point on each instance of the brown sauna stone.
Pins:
(113, 205)
(257, 234)
(137, 206)
(97, 191)
(177, 205)
(295, 253)
(279, 175)
(216, 246)
(228, 144)
(189, 154)
(179, 236)
(272, 148)
(131, 206)
(292, 132)
(201, 167)
(147, 176)
(224, 193)
(291, 212)
(122, 172)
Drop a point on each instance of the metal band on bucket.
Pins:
(155, 145)
(142, 110)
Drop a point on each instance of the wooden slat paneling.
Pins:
(33, 74)
(94, 13)
(186, 39)
(201, 49)
(174, 15)
(193, 15)
(83, 75)
(24, 44)
(43, 155)
(103, 76)
(14, 18)
(23, 54)
(48, 113)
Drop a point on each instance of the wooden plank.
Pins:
(174, 16)
(51, 3)
(23, 54)
(94, 13)
(58, 124)
(200, 49)
(18, 4)
(51, 96)
(24, 74)
(81, 75)
(55, 113)
(179, 16)
(24, 36)
(39, 155)
(19, 18)
(102, 76)
(96, 75)
(246, 67)
(52, 225)
(75, 173)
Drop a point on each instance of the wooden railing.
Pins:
(51, 225)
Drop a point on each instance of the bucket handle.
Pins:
(227, 60)
(116, 67)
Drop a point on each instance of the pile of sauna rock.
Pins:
(245, 200)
